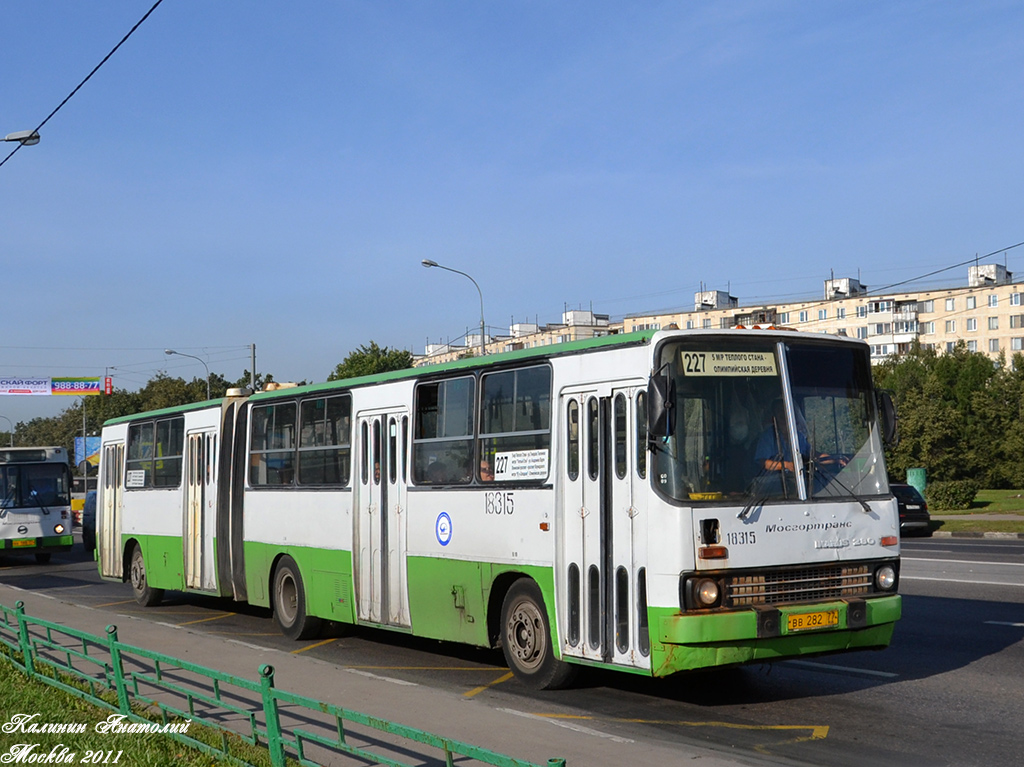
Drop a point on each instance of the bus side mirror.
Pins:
(887, 415)
(660, 402)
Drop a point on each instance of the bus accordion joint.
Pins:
(713, 552)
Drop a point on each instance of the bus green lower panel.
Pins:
(686, 642)
(38, 545)
(452, 599)
(163, 557)
(326, 577)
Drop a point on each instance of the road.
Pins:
(949, 691)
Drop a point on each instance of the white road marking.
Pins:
(964, 562)
(568, 725)
(962, 581)
(847, 669)
(401, 682)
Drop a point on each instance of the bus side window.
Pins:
(515, 417)
(442, 440)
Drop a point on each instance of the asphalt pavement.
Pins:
(559, 733)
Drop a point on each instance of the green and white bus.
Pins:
(35, 501)
(628, 502)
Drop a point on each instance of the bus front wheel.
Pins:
(290, 602)
(145, 595)
(526, 639)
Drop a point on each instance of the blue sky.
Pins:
(273, 173)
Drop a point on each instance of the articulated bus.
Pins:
(35, 501)
(629, 502)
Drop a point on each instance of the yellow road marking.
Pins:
(318, 644)
(499, 680)
(204, 620)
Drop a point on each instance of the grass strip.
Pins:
(21, 696)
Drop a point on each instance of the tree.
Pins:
(960, 415)
(368, 360)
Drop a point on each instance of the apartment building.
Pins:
(987, 314)
(576, 325)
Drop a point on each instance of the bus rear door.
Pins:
(200, 510)
(108, 525)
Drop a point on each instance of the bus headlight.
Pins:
(885, 578)
(705, 592)
(59, 529)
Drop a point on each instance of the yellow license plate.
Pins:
(23, 543)
(806, 621)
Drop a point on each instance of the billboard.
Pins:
(37, 386)
(87, 449)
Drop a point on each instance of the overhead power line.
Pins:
(87, 77)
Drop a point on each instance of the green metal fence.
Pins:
(133, 681)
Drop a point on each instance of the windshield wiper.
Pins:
(811, 463)
(7, 501)
(34, 495)
(756, 489)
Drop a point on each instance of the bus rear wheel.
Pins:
(144, 594)
(290, 602)
(526, 639)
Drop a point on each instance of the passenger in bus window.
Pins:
(486, 470)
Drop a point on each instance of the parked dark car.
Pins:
(89, 521)
(914, 516)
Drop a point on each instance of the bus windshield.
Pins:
(742, 403)
(31, 485)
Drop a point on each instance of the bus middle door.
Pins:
(381, 543)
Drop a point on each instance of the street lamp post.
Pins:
(192, 356)
(428, 263)
(11, 432)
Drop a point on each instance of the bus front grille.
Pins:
(802, 584)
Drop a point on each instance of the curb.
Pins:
(991, 536)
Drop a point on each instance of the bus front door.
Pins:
(200, 511)
(381, 543)
(108, 512)
(604, 521)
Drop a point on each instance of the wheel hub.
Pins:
(525, 632)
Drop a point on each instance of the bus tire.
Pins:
(289, 601)
(42, 558)
(526, 639)
(144, 594)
